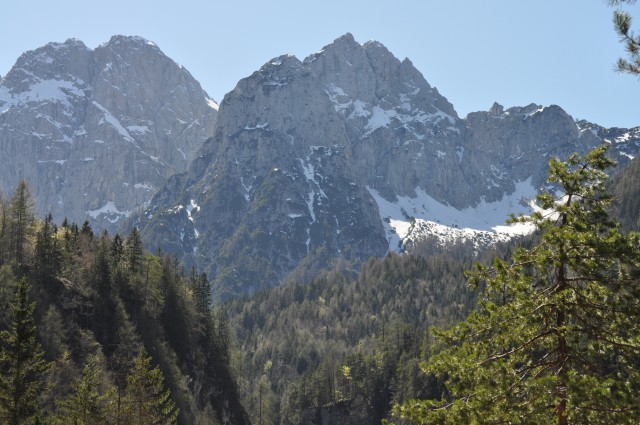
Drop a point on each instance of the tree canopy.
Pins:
(556, 337)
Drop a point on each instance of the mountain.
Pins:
(625, 187)
(97, 132)
(348, 154)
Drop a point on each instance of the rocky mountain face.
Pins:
(97, 132)
(348, 154)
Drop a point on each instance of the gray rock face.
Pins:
(97, 132)
(301, 148)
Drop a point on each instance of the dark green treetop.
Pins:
(22, 364)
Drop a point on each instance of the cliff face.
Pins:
(344, 155)
(97, 132)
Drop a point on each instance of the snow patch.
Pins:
(138, 129)
(383, 117)
(113, 121)
(359, 109)
(110, 212)
(338, 97)
(257, 126)
(212, 104)
(401, 217)
(192, 206)
(145, 186)
(40, 91)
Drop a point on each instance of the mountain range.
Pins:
(347, 154)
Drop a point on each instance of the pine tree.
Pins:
(622, 25)
(22, 364)
(556, 338)
(147, 400)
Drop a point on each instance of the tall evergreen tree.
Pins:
(148, 402)
(21, 222)
(48, 255)
(4, 228)
(90, 400)
(22, 364)
(134, 251)
(557, 336)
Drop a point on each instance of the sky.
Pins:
(475, 52)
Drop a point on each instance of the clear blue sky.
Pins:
(475, 52)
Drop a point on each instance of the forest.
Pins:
(97, 330)
(94, 329)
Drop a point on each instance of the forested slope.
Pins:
(345, 346)
(101, 303)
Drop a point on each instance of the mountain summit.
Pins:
(347, 154)
(97, 132)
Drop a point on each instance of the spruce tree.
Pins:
(134, 251)
(21, 223)
(22, 364)
(148, 402)
(556, 338)
(47, 261)
(90, 401)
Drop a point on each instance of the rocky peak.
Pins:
(68, 61)
(97, 132)
(296, 149)
(496, 110)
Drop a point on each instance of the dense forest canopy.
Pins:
(97, 330)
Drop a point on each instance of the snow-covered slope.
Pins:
(423, 217)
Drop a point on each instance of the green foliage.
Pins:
(134, 250)
(147, 401)
(98, 297)
(22, 364)
(20, 225)
(622, 24)
(556, 338)
(371, 323)
(91, 401)
(625, 188)
(47, 256)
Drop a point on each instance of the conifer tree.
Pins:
(556, 339)
(134, 251)
(148, 402)
(48, 255)
(21, 222)
(4, 228)
(622, 25)
(22, 364)
(90, 400)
